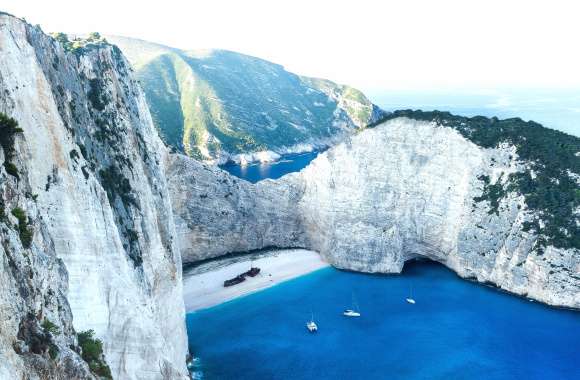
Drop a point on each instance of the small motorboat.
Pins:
(354, 312)
(350, 313)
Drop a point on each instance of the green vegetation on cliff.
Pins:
(92, 353)
(8, 130)
(24, 230)
(208, 102)
(551, 182)
(77, 45)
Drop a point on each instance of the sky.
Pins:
(373, 45)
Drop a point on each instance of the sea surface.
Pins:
(553, 108)
(258, 171)
(456, 330)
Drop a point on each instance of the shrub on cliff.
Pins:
(79, 46)
(92, 353)
(61, 37)
(24, 230)
(8, 130)
(50, 327)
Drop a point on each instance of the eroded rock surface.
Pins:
(91, 180)
(401, 190)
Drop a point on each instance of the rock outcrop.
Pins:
(402, 190)
(86, 172)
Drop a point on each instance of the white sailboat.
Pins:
(410, 299)
(311, 325)
(354, 312)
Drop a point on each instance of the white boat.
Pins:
(354, 312)
(311, 325)
(410, 299)
(350, 313)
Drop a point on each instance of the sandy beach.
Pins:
(203, 285)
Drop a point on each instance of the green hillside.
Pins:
(211, 103)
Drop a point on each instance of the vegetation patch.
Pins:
(240, 114)
(96, 94)
(50, 330)
(50, 327)
(549, 189)
(8, 130)
(92, 353)
(80, 46)
(117, 185)
(493, 193)
(24, 230)
(53, 351)
(11, 169)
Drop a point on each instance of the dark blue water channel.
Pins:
(258, 171)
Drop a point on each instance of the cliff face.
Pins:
(216, 213)
(402, 190)
(91, 182)
(222, 105)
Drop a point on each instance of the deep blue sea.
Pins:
(258, 171)
(456, 330)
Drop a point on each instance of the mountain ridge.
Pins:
(221, 105)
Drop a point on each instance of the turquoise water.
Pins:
(256, 172)
(457, 330)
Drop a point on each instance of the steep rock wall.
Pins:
(95, 166)
(401, 190)
(217, 213)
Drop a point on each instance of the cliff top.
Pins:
(552, 179)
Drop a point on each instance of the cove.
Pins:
(255, 172)
(457, 330)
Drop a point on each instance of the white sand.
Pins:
(203, 285)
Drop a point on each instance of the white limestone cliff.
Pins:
(113, 215)
(91, 156)
(402, 190)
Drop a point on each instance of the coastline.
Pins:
(203, 284)
(278, 153)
